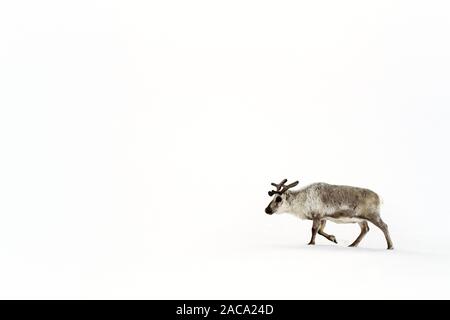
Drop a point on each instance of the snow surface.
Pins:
(139, 140)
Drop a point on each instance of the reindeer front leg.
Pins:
(315, 229)
(323, 233)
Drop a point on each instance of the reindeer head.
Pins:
(279, 203)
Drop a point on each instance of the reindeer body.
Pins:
(340, 204)
(321, 202)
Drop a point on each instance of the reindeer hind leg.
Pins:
(383, 226)
(364, 229)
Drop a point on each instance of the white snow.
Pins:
(139, 139)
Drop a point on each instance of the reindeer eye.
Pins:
(278, 199)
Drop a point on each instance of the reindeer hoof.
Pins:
(333, 239)
(390, 248)
(311, 243)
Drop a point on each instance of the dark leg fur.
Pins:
(322, 233)
(315, 229)
(364, 229)
(383, 226)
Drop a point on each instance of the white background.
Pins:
(139, 138)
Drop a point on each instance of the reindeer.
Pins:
(321, 202)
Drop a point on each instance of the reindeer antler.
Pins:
(281, 187)
(289, 186)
